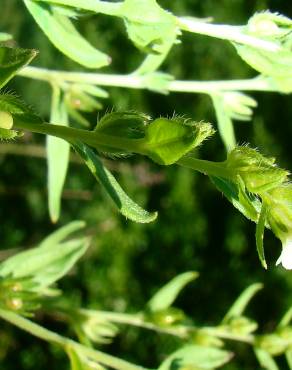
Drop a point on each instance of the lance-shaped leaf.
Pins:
(238, 307)
(12, 60)
(122, 201)
(260, 229)
(62, 33)
(265, 359)
(168, 293)
(196, 357)
(58, 151)
(61, 234)
(42, 266)
(224, 122)
(167, 140)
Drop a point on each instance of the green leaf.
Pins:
(46, 264)
(124, 125)
(167, 140)
(19, 110)
(62, 33)
(151, 28)
(12, 60)
(260, 229)
(195, 357)
(245, 202)
(286, 319)
(5, 36)
(225, 125)
(168, 293)
(58, 152)
(61, 234)
(125, 205)
(242, 301)
(95, 6)
(288, 355)
(265, 359)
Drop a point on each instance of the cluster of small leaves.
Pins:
(27, 277)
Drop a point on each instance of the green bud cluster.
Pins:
(269, 183)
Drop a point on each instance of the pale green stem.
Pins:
(180, 331)
(49, 336)
(97, 140)
(133, 81)
(225, 32)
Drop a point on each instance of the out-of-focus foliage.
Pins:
(196, 229)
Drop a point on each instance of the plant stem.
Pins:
(49, 336)
(91, 138)
(180, 331)
(133, 81)
(97, 140)
(226, 32)
(207, 167)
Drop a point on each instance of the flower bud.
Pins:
(267, 24)
(6, 120)
(258, 172)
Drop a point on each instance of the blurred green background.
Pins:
(197, 229)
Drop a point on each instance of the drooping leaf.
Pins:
(167, 140)
(238, 307)
(260, 229)
(265, 359)
(245, 202)
(12, 60)
(62, 33)
(58, 151)
(122, 201)
(195, 357)
(168, 293)
(224, 121)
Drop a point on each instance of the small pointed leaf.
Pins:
(242, 301)
(265, 359)
(12, 60)
(196, 357)
(168, 293)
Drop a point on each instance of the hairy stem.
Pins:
(97, 140)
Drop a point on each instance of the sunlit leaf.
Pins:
(62, 33)
(45, 264)
(242, 301)
(167, 140)
(58, 151)
(195, 357)
(168, 293)
(265, 359)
